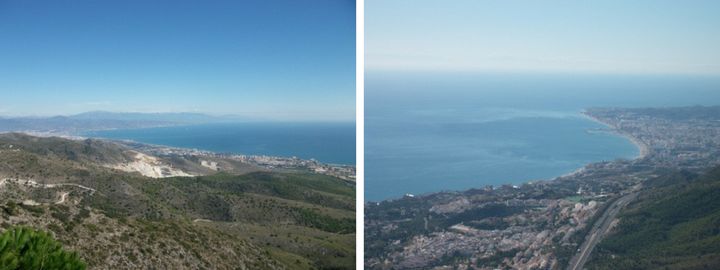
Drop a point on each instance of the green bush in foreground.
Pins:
(25, 248)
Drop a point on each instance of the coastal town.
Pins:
(212, 160)
(540, 224)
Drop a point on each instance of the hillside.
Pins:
(241, 217)
(674, 224)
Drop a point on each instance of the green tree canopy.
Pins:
(25, 248)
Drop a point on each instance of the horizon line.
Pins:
(238, 117)
(534, 72)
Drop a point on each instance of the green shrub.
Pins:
(25, 248)
(10, 208)
(34, 209)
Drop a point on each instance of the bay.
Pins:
(429, 132)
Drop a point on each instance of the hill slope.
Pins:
(117, 219)
(675, 223)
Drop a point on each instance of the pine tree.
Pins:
(25, 248)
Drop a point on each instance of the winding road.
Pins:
(599, 229)
(32, 183)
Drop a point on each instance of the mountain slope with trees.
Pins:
(674, 224)
(116, 219)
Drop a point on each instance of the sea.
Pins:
(326, 142)
(430, 132)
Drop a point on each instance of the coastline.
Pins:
(263, 139)
(643, 148)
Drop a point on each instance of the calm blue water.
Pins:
(326, 142)
(433, 132)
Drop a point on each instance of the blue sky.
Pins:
(608, 36)
(277, 59)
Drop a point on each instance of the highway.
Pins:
(599, 229)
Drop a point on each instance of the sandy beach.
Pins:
(642, 147)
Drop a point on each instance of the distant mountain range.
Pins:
(99, 120)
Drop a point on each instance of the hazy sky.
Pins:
(282, 59)
(608, 36)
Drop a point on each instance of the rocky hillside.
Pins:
(187, 216)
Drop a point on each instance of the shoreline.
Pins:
(643, 148)
(309, 154)
(199, 151)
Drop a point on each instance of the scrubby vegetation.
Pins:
(259, 220)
